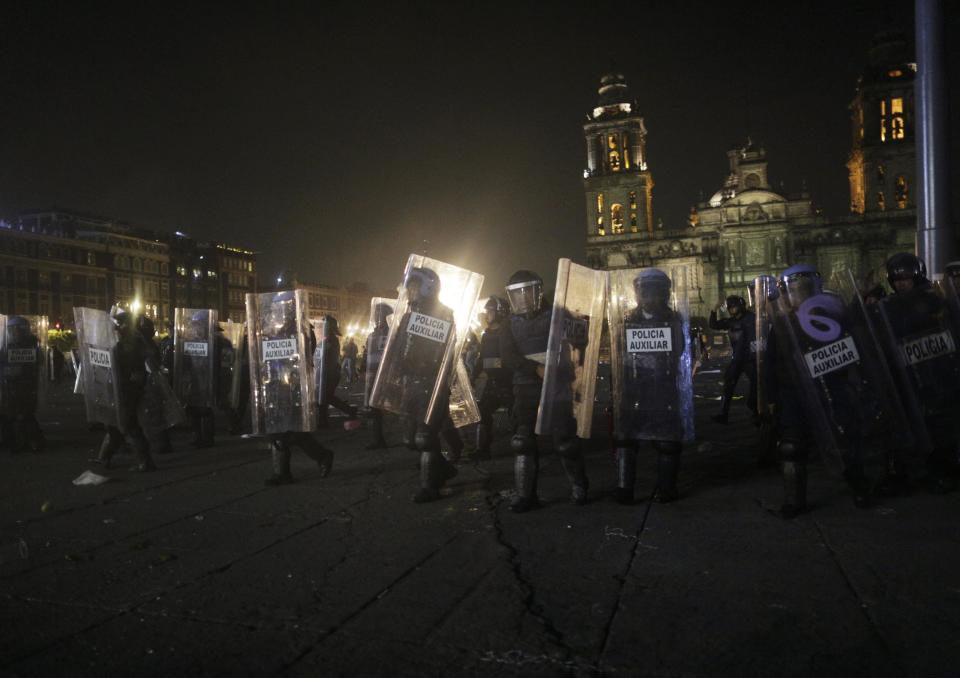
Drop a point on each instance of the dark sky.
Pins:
(335, 137)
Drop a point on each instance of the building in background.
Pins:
(53, 260)
(748, 227)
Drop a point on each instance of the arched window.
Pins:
(901, 192)
(600, 229)
(613, 153)
(896, 118)
(616, 218)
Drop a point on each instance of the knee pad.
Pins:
(667, 446)
(523, 442)
(791, 450)
(568, 447)
(425, 441)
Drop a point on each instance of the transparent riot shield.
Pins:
(917, 329)
(282, 395)
(97, 342)
(194, 357)
(650, 356)
(573, 348)
(426, 338)
(764, 295)
(23, 363)
(381, 315)
(463, 405)
(839, 374)
(951, 292)
(233, 369)
(326, 360)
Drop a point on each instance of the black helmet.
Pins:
(525, 292)
(800, 282)
(495, 309)
(146, 327)
(330, 327)
(381, 312)
(652, 287)
(906, 266)
(424, 284)
(735, 300)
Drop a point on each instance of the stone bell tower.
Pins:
(617, 183)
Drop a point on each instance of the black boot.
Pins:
(323, 456)
(626, 474)
(434, 472)
(576, 470)
(525, 469)
(482, 452)
(668, 468)
(280, 454)
(859, 485)
(723, 415)
(794, 489)
(142, 449)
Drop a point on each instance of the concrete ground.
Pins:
(199, 569)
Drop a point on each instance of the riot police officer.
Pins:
(21, 365)
(812, 335)
(741, 328)
(327, 363)
(373, 354)
(420, 359)
(490, 377)
(926, 351)
(156, 429)
(523, 351)
(132, 356)
(651, 352)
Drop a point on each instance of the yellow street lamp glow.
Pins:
(135, 305)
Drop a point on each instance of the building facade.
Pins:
(747, 228)
(53, 260)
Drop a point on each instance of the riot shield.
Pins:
(194, 356)
(23, 363)
(381, 315)
(839, 372)
(650, 356)
(951, 292)
(97, 341)
(573, 348)
(917, 329)
(282, 397)
(232, 367)
(463, 405)
(764, 295)
(426, 338)
(326, 360)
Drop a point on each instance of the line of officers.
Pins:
(872, 381)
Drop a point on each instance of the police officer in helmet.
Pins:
(741, 328)
(489, 374)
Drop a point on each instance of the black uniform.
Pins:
(497, 385)
(373, 354)
(131, 353)
(20, 385)
(742, 333)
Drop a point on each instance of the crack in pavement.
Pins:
(336, 628)
(493, 501)
(864, 609)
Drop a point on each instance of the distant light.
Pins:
(180, 234)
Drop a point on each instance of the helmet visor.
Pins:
(525, 297)
(801, 286)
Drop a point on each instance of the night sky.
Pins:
(334, 138)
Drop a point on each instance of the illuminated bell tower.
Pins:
(617, 184)
(882, 159)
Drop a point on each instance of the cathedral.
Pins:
(747, 228)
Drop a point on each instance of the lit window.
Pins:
(599, 203)
(182, 270)
(211, 274)
(197, 273)
(633, 223)
(883, 120)
(626, 151)
(613, 154)
(896, 118)
(895, 73)
(616, 218)
(881, 201)
(633, 200)
(600, 229)
(901, 192)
